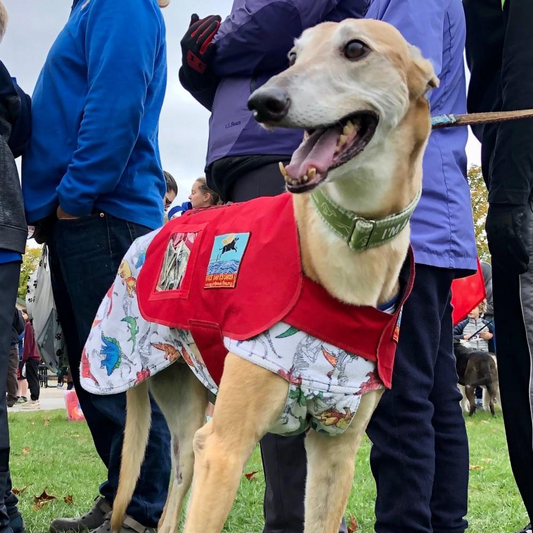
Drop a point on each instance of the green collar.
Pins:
(360, 233)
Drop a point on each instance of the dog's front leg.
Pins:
(330, 470)
(249, 401)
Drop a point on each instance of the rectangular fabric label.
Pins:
(225, 261)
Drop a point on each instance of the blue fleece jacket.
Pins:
(96, 110)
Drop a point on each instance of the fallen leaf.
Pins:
(477, 467)
(250, 475)
(46, 421)
(352, 526)
(68, 499)
(20, 491)
(487, 459)
(26, 449)
(42, 500)
(484, 421)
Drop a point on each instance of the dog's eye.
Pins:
(292, 58)
(356, 50)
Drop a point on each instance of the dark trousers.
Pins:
(9, 278)
(12, 385)
(85, 255)
(500, 53)
(419, 455)
(32, 375)
(284, 458)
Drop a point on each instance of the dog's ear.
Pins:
(3, 20)
(421, 76)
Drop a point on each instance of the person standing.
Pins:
(15, 128)
(17, 328)
(92, 184)
(31, 359)
(500, 58)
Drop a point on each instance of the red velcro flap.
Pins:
(208, 338)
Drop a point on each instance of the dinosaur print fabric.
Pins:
(123, 349)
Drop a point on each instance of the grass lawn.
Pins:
(48, 452)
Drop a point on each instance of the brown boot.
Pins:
(87, 522)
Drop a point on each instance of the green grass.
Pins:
(48, 452)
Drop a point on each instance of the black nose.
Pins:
(269, 104)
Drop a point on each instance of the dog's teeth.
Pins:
(306, 136)
(349, 128)
(283, 171)
(305, 178)
(311, 173)
(342, 140)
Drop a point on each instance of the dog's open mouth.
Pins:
(326, 148)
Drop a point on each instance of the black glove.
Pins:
(506, 227)
(197, 52)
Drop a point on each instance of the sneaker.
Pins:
(87, 522)
(128, 526)
(527, 529)
(31, 405)
(59, 386)
(22, 399)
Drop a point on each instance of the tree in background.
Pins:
(480, 206)
(30, 262)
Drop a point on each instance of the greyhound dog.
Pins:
(358, 90)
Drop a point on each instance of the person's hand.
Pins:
(486, 335)
(197, 50)
(466, 337)
(63, 215)
(506, 227)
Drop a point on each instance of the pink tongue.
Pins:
(320, 156)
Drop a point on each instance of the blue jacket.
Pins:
(442, 228)
(95, 118)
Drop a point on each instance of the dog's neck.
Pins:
(385, 187)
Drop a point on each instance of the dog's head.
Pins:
(350, 86)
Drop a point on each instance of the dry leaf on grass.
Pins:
(68, 499)
(20, 491)
(352, 526)
(477, 467)
(46, 421)
(42, 500)
(250, 475)
(487, 459)
(26, 449)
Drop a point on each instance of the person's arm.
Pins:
(258, 35)
(18, 322)
(121, 46)
(488, 332)
(21, 131)
(17, 106)
(29, 343)
(458, 330)
(421, 24)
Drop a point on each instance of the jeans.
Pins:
(85, 254)
(419, 455)
(9, 277)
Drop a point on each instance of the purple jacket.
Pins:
(252, 46)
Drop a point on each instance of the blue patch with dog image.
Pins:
(225, 261)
